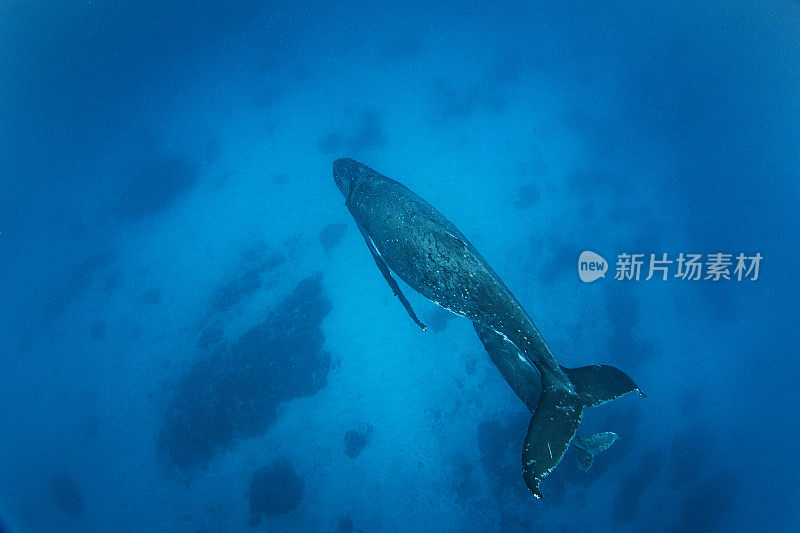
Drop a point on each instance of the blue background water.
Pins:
(189, 314)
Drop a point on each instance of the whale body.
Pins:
(408, 236)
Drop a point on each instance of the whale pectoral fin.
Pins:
(552, 427)
(598, 384)
(389, 279)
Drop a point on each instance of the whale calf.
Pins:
(408, 236)
(587, 447)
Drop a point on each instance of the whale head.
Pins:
(347, 173)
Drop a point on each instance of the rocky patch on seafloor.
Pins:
(233, 393)
(331, 235)
(255, 263)
(156, 186)
(67, 494)
(437, 319)
(275, 489)
(355, 441)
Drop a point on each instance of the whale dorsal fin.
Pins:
(384, 268)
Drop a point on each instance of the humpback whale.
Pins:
(408, 236)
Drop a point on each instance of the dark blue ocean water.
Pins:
(194, 336)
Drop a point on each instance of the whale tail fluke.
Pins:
(558, 414)
(599, 384)
(553, 424)
(556, 411)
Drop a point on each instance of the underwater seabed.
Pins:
(196, 338)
